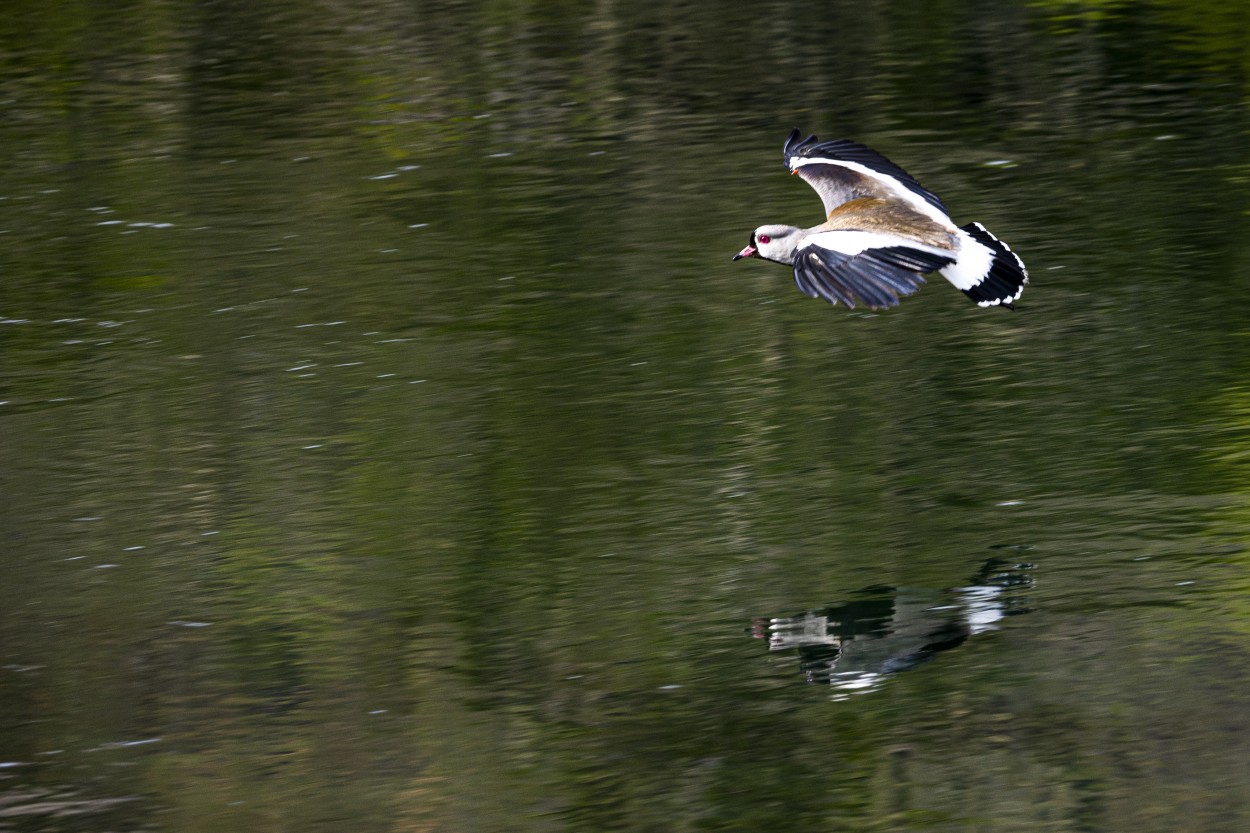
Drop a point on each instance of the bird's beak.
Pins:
(749, 251)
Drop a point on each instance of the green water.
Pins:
(389, 444)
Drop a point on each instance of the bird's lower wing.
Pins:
(876, 277)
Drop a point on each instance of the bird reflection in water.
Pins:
(880, 630)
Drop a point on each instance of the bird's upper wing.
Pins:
(871, 267)
(843, 170)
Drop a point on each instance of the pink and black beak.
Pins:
(749, 251)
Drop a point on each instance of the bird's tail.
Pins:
(987, 270)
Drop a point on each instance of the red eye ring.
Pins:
(762, 238)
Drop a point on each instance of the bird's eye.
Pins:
(763, 238)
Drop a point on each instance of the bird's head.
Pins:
(775, 243)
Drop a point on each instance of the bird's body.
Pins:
(882, 231)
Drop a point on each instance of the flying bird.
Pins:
(882, 232)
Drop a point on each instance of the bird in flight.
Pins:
(883, 231)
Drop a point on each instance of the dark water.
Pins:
(389, 443)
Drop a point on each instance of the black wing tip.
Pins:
(1006, 277)
(795, 144)
(813, 146)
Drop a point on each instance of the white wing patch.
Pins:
(855, 242)
(973, 263)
